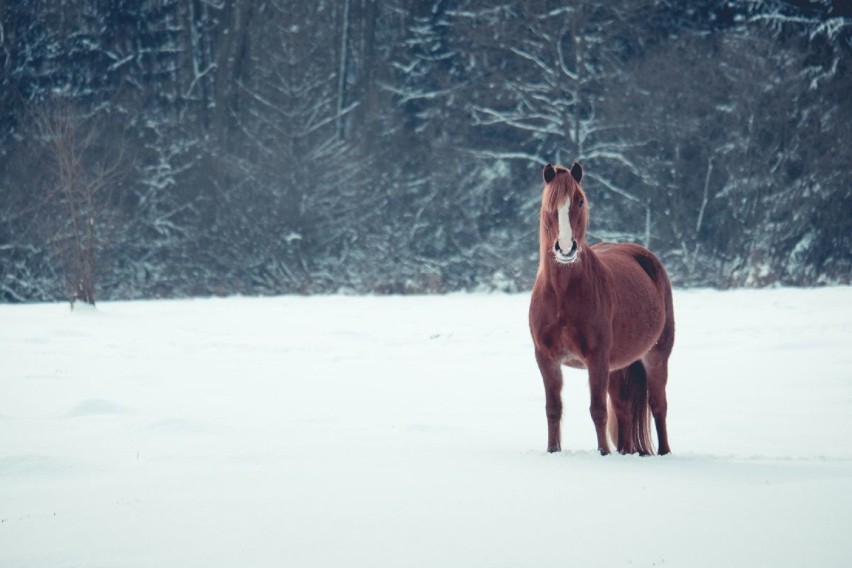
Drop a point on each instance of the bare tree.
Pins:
(81, 170)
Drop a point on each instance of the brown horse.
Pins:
(608, 308)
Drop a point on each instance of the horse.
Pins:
(606, 308)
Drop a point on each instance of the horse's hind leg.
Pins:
(623, 436)
(628, 391)
(656, 365)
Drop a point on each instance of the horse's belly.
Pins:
(636, 328)
(616, 360)
(635, 341)
(622, 360)
(573, 360)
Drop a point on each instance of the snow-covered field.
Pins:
(410, 431)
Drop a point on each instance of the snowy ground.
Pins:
(340, 431)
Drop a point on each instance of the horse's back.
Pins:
(623, 259)
(642, 315)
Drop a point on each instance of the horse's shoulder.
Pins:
(541, 298)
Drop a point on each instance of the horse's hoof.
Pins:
(554, 449)
(603, 451)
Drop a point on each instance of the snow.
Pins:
(410, 431)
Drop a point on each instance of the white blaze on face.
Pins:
(566, 237)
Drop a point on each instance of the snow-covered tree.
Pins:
(396, 146)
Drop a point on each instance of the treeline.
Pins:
(160, 148)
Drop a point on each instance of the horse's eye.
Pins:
(580, 203)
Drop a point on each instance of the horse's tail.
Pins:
(630, 392)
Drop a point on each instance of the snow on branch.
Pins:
(617, 157)
(617, 190)
(513, 119)
(343, 112)
(830, 27)
(496, 155)
(407, 95)
(198, 76)
(567, 72)
(530, 57)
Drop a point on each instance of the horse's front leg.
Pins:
(598, 386)
(551, 374)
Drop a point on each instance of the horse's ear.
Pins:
(577, 171)
(549, 173)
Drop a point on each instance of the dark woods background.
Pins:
(155, 148)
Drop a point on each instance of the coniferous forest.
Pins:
(168, 148)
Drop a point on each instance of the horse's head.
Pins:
(564, 215)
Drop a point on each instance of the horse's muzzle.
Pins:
(565, 257)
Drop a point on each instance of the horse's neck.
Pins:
(574, 280)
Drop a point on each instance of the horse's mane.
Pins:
(559, 188)
(556, 192)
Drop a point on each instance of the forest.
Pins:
(175, 148)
